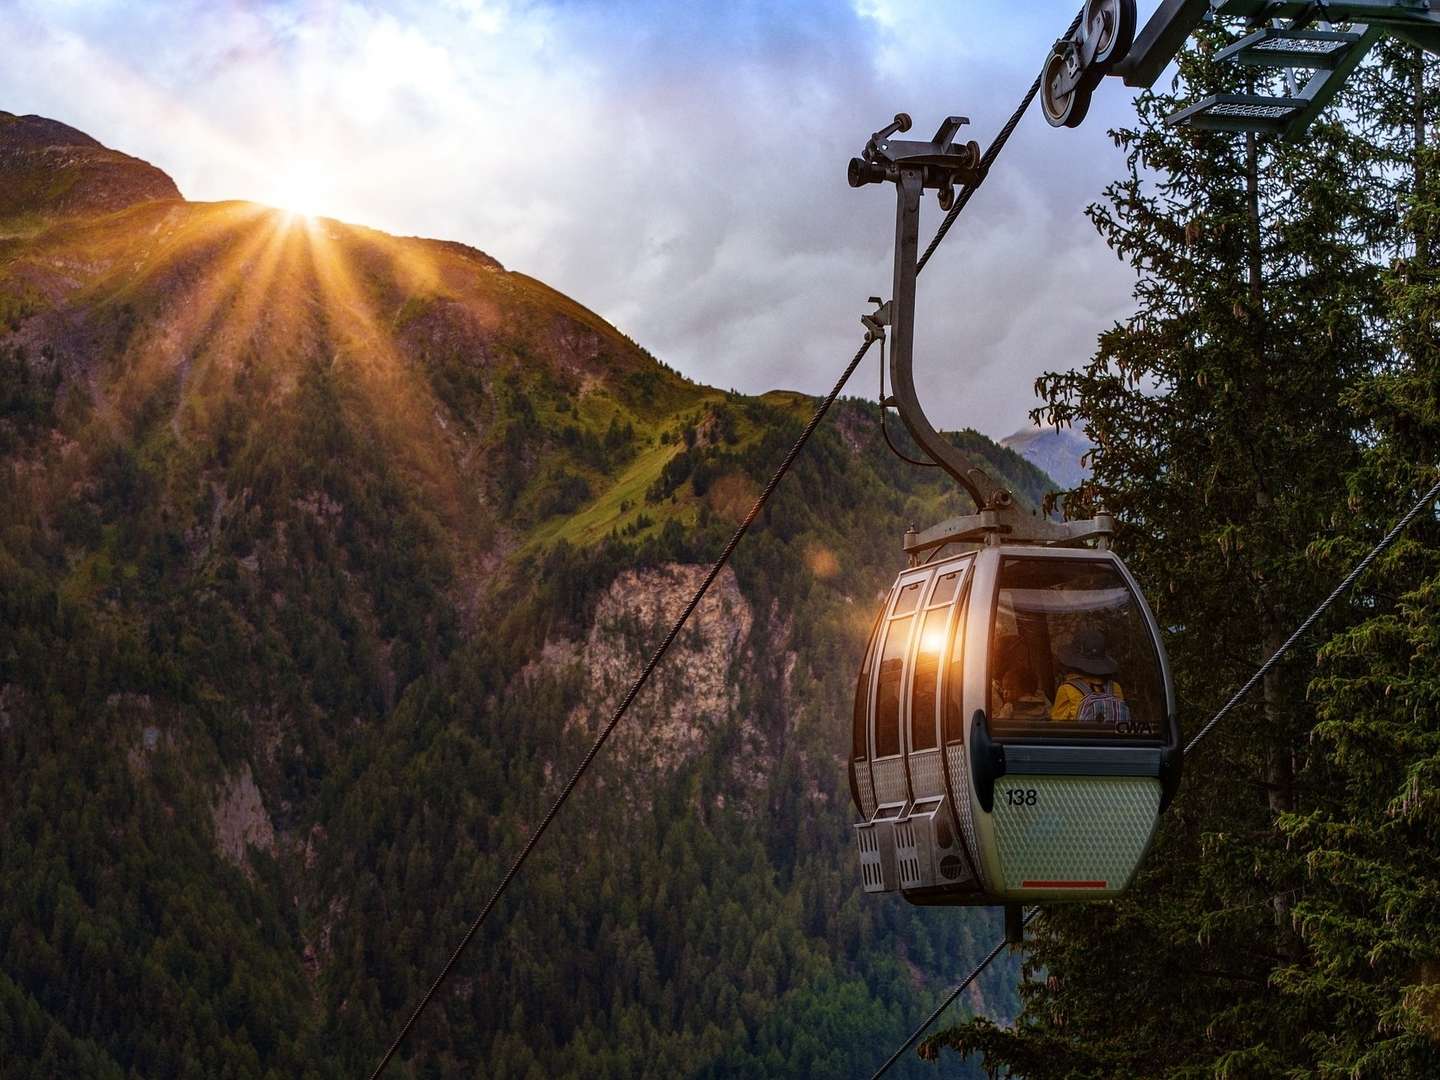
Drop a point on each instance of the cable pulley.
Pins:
(1081, 59)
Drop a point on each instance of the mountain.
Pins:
(323, 553)
(50, 171)
(1058, 453)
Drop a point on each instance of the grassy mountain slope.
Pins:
(323, 552)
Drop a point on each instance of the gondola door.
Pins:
(879, 706)
(931, 858)
(910, 839)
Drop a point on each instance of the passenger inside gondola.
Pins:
(1071, 632)
(1088, 693)
(1020, 695)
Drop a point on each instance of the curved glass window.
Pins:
(887, 692)
(907, 600)
(858, 749)
(955, 681)
(924, 689)
(1071, 656)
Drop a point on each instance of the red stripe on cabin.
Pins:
(1064, 884)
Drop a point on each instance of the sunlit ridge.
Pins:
(303, 189)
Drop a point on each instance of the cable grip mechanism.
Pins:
(941, 163)
(876, 321)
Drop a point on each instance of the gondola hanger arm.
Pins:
(915, 167)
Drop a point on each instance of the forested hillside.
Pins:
(322, 552)
(1269, 411)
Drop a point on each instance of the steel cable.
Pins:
(1429, 499)
(629, 697)
(961, 201)
(950, 997)
(1300, 631)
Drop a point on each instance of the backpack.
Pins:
(1101, 706)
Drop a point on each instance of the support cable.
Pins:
(1429, 499)
(1344, 587)
(635, 688)
(949, 998)
(961, 201)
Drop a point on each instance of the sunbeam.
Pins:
(356, 283)
(304, 189)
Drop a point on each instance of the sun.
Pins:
(303, 189)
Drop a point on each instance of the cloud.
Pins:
(678, 168)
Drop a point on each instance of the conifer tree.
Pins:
(1368, 915)
(1228, 427)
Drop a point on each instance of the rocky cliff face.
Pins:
(241, 821)
(697, 689)
(323, 553)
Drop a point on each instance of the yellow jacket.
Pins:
(1069, 697)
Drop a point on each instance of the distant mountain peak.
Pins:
(41, 131)
(1058, 453)
(49, 171)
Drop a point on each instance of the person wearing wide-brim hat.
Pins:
(1088, 667)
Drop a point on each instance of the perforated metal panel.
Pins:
(875, 840)
(913, 862)
(1286, 48)
(866, 786)
(876, 843)
(1262, 111)
(927, 775)
(890, 784)
(960, 780)
(1077, 835)
(928, 852)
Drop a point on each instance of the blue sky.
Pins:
(679, 168)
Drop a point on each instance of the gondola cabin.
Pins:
(1014, 729)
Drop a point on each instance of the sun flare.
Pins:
(303, 189)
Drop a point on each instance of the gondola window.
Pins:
(1071, 655)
